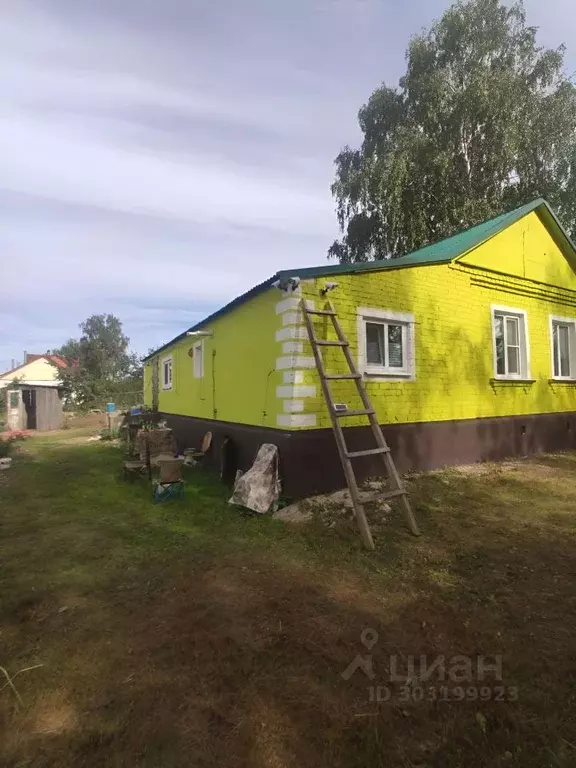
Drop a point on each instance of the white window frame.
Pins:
(523, 337)
(198, 370)
(9, 392)
(167, 384)
(571, 323)
(385, 317)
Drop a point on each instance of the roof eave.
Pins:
(226, 308)
(305, 273)
(351, 269)
(568, 240)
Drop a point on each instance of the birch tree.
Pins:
(483, 120)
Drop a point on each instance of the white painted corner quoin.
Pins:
(296, 420)
(293, 377)
(292, 337)
(292, 304)
(296, 390)
(293, 347)
(292, 318)
(291, 333)
(295, 361)
(293, 406)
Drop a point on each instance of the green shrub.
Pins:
(109, 434)
(9, 439)
(5, 448)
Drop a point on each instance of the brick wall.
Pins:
(454, 368)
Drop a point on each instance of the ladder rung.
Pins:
(393, 494)
(321, 312)
(370, 452)
(358, 497)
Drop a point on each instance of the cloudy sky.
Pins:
(159, 158)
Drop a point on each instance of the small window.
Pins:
(198, 359)
(14, 399)
(386, 342)
(510, 339)
(167, 373)
(563, 338)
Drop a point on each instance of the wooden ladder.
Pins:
(398, 489)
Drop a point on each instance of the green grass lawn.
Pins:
(191, 634)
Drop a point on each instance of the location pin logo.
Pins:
(369, 638)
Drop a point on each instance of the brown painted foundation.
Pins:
(309, 461)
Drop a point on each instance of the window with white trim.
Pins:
(510, 340)
(167, 372)
(386, 343)
(563, 340)
(198, 359)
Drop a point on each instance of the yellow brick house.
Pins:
(467, 348)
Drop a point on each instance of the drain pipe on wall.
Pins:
(214, 409)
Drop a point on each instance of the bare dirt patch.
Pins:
(80, 420)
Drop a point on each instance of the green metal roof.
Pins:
(438, 253)
(443, 251)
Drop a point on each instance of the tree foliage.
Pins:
(102, 349)
(100, 364)
(483, 121)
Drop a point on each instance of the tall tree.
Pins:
(70, 351)
(483, 120)
(101, 365)
(101, 350)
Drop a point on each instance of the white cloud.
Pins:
(158, 160)
(72, 166)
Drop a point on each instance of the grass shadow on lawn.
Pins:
(188, 634)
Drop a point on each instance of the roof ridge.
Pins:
(411, 256)
(35, 357)
(526, 208)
